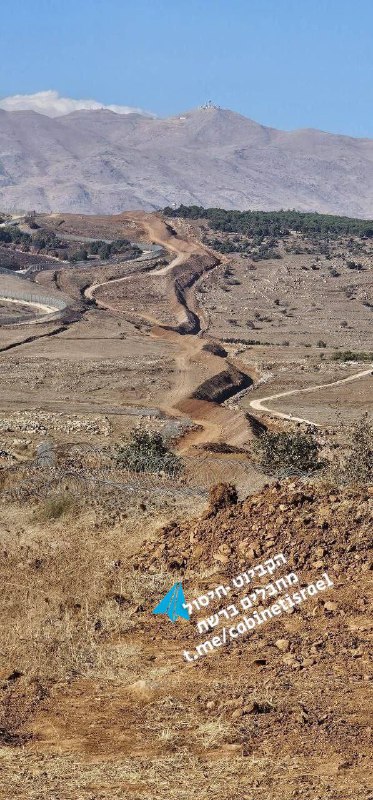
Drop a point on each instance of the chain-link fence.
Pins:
(33, 298)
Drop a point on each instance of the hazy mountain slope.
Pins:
(98, 161)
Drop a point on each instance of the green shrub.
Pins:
(293, 452)
(147, 452)
(44, 239)
(79, 255)
(348, 355)
(104, 251)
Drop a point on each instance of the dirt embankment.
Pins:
(223, 385)
(184, 277)
(289, 516)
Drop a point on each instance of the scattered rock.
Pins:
(330, 606)
(283, 645)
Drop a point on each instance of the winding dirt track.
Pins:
(258, 405)
(214, 422)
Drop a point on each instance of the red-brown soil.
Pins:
(282, 713)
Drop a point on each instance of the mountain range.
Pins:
(98, 161)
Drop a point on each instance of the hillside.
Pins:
(99, 701)
(102, 162)
(132, 419)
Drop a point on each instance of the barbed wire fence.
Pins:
(87, 471)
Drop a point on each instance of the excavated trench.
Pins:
(222, 386)
(204, 403)
(230, 381)
(209, 395)
(31, 339)
(184, 277)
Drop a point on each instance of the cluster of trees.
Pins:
(41, 240)
(12, 235)
(255, 247)
(274, 223)
(47, 242)
(104, 250)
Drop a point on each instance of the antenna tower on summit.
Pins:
(209, 105)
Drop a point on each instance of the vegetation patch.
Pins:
(146, 452)
(46, 242)
(355, 468)
(55, 507)
(348, 355)
(274, 223)
(295, 452)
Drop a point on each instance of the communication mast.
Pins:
(208, 105)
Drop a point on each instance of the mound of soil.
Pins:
(222, 386)
(299, 519)
(215, 349)
(293, 694)
(280, 714)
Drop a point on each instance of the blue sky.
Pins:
(285, 63)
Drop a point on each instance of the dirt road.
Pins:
(258, 405)
(214, 423)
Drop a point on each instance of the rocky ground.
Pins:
(97, 700)
(282, 713)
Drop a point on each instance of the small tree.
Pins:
(5, 235)
(105, 251)
(146, 452)
(94, 247)
(79, 255)
(293, 452)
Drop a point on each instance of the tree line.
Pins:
(274, 223)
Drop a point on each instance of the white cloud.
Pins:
(52, 105)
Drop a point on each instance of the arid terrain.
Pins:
(212, 339)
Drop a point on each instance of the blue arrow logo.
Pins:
(173, 604)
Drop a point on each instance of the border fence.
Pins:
(33, 299)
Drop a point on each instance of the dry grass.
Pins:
(67, 588)
(112, 710)
(56, 506)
